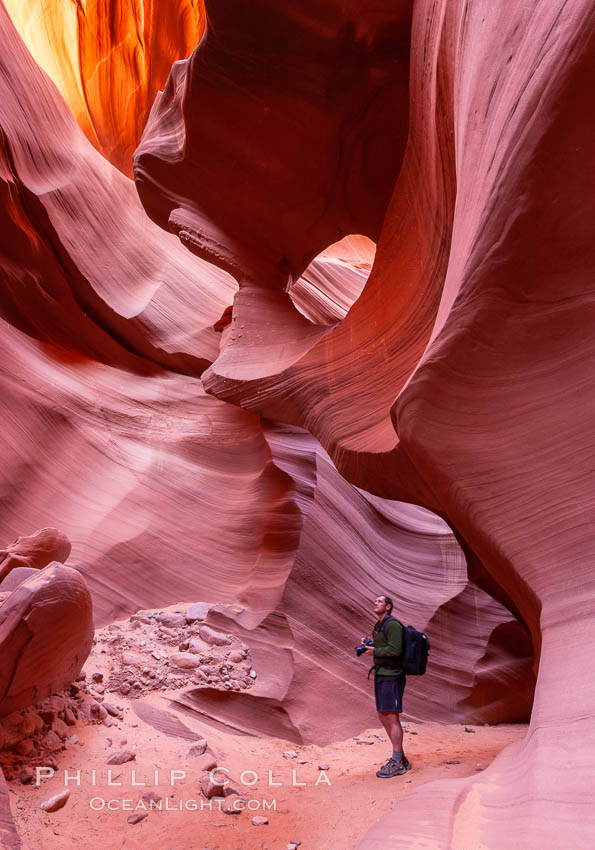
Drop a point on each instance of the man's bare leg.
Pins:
(391, 721)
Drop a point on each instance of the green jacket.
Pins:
(388, 644)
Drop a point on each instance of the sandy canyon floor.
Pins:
(333, 807)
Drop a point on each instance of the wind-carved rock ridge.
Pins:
(459, 379)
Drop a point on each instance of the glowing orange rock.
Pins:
(109, 59)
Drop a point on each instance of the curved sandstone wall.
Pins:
(459, 379)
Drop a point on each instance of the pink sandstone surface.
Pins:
(459, 379)
(454, 378)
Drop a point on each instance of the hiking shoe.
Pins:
(392, 768)
(405, 761)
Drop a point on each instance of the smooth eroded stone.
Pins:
(122, 757)
(56, 802)
(184, 660)
(46, 632)
(212, 637)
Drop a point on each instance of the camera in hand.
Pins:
(359, 650)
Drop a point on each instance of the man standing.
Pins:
(389, 683)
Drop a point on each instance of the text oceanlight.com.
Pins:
(215, 804)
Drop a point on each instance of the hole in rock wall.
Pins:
(334, 280)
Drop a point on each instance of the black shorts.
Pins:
(388, 691)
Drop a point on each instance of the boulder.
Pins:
(184, 660)
(197, 611)
(212, 637)
(46, 632)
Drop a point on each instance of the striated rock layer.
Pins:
(82, 266)
(9, 839)
(166, 493)
(477, 318)
(170, 494)
(109, 59)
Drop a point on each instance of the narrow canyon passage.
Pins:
(297, 310)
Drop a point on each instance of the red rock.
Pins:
(60, 728)
(51, 742)
(26, 775)
(185, 660)
(48, 715)
(131, 659)
(212, 637)
(69, 717)
(122, 757)
(8, 834)
(26, 747)
(172, 619)
(212, 785)
(206, 762)
(137, 817)
(197, 611)
(45, 653)
(32, 723)
(197, 645)
(56, 802)
(35, 551)
(197, 749)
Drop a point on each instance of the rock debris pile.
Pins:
(172, 648)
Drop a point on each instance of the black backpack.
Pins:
(416, 647)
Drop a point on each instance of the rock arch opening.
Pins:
(334, 280)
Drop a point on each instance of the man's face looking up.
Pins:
(380, 607)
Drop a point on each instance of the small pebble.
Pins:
(122, 757)
(56, 802)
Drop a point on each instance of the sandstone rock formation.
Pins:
(108, 60)
(9, 839)
(46, 630)
(167, 493)
(34, 551)
(451, 138)
(458, 381)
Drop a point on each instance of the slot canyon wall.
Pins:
(109, 60)
(316, 441)
(460, 378)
